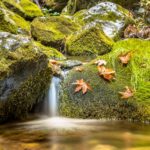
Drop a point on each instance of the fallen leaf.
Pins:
(54, 62)
(125, 58)
(101, 62)
(80, 69)
(127, 93)
(82, 85)
(106, 73)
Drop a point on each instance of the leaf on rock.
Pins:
(101, 62)
(106, 73)
(54, 62)
(81, 85)
(125, 58)
(80, 69)
(127, 93)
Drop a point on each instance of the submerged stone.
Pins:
(52, 30)
(89, 40)
(24, 8)
(104, 100)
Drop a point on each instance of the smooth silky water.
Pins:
(56, 133)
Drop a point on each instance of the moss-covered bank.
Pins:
(104, 101)
(24, 75)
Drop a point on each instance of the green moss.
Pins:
(12, 22)
(52, 31)
(50, 52)
(87, 41)
(25, 8)
(104, 101)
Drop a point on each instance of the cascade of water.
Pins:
(37, 3)
(53, 96)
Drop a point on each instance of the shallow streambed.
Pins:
(74, 134)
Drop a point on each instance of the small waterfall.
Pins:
(37, 3)
(53, 96)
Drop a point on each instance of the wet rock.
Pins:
(52, 30)
(112, 17)
(11, 22)
(24, 74)
(104, 100)
(24, 8)
(77, 5)
(89, 40)
(70, 64)
(56, 5)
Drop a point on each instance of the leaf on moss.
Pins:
(80, 69)
(81, 85)
(125, 58)
(127, 93)
(106, 73)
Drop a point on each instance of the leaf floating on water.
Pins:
(106, 73)
(127, 93)
(80, 69)
(81, 85)
(125, 58)
(101, 62)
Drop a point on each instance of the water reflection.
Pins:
(74, 134)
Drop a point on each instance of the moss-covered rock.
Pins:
(112, 17)
(76, 5)
(90, 40)
(12, 22)
(52, 30)
(104, 101)
(24, 75)
(24, 8)
(56, 5)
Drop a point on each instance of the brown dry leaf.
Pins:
(125, 58)
(127, 93)
(82, 85)
(54, 62)
(106, 73)
(101, 62)
(80, 69)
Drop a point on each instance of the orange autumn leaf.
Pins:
(106, 73)
(81, 85)
(125, 58)
(80, 69)
(54, 62)
(127, 93)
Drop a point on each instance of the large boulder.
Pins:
(24, 8)
(104, 100)
(56, 5)
(89, 40)
(76, 5)
(24, 75)
(52, 30)
(112, 17)
(12, 22)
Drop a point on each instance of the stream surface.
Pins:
(74, 134)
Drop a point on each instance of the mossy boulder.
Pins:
(76, 5)
(24, 75)
(112, 17)
(24, 8)
(56, 5)
(89, 40)
(104, 100)
(12, 22)
(52, 30)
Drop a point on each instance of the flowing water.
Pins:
(56, 133)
